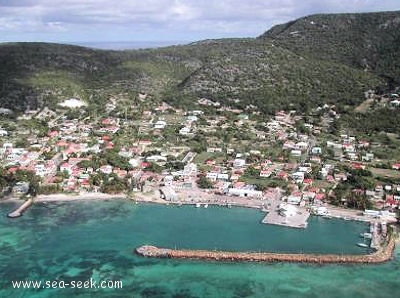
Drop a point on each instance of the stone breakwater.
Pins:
(384, 254)
(19, 211)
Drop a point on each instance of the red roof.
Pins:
(396, 166)
(53, 133)
(282, 174)
(145, 164)
(62, 144)
(389, 197)
(391, 201)
(12, 170)
(106, 121)
(239, 184)
(358, 166)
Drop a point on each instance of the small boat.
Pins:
(198, 205)
(362, 245)
(205, 205)
(229, 206)
(366, 235)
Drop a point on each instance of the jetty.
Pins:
(382, 255)
(20, 210)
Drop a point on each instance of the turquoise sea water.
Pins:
(82, 240)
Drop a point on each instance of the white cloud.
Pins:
(185, 17)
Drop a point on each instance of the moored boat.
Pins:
(366, 235)
(362, 244)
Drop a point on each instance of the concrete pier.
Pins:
(18, 212)
(298, 220)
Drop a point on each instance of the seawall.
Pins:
(384, 254)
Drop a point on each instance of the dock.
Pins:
(298, 220)
(20, 210)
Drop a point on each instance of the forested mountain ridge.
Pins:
(369, 41)
(299, 65)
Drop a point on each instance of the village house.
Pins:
(295, 198)
(295, 153)
(266, 173)
(160, 124)
(239, 162)
(396, 166)
(212, 176)
(301, 146)
(316, 150)
(66, 167)
(168, 193)
(184, 130)
(245, 192)
(106, 169)
(367, 157)
(340, 176)
(214, 149)
(3, 132)
(331, 144)
(190, 170)
(298, 177)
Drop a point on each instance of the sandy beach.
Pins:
(77, 197)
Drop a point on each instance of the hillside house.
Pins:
(245, 192)
(295, 153)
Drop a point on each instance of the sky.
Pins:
(86, 21)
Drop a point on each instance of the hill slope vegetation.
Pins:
(299, 65)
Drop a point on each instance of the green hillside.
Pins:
(369, 41)
(273, 78)
(300, 65)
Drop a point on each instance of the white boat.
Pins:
(362, 245)
(366, 235)
(198, 205)
(205, 205)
